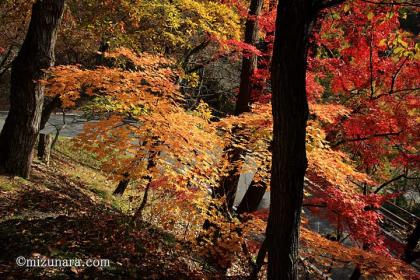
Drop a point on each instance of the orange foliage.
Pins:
(323, 251)
(142, 113)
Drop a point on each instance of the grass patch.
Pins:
(66, 147)
(8, 184)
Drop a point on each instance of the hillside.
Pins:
(67, 211)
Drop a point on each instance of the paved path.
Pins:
(73, 127)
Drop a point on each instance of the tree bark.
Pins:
(410, 255)
(229, 183)
(251, 199)
(150, 164)
(357, 273)
(44, 147)
(48, 107)
(21, 128)
(290, 114)
(122, 185)
(249, 63)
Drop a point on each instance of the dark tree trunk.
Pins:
(290, 114)
(48, 107)
(252, 198)
(21, 128)
(122, 185)
(138, 215)
(410, 255)
(357, 273)
(229, 183)
(254, 194)
(150, 164)
(44, 147)
(249, 63)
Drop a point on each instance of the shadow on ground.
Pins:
(55, 216)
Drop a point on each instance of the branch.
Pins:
(260, 260)
(193, 51)
(315, 205)
(328, 4)
(372, 89)
(407, 90)
(393, 80)
(366, 138)
(405, 3)
(378, 189)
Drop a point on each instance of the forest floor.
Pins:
(67, 211)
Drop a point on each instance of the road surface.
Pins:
(73, 127)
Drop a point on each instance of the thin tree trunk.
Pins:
(48, 107)
(21, 128)
(150, 164)
(50, 104)
(249, 62)
(44, 147)
(122, 185)
(290, 114)
(255, 192)
(229, 183)
(139, 212)
(251, 199)
(357, 273)
(259, 262)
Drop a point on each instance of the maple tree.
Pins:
(315, 88)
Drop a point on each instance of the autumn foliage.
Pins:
(362, 87)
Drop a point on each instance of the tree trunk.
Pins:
(251, 199)
(357, 273)
(229, 183)
(290, 114)
(410, 255)
(49, 106)
(52, 103)
(21, 128)
(255, 192)
(122, 185)
(44, 147)
(249, 62)
(150, 164)
(45, 141)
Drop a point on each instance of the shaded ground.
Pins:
(64, 211)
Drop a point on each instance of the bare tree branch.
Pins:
(366, 138)
(402, 3)
(378, 189)
(329, 4)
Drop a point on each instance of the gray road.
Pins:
(72, 127)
